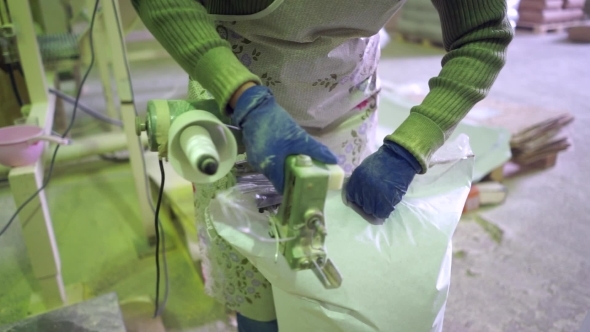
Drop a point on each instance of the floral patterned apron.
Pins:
(320, 60)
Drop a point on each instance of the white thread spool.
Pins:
(200, 150)
(197, 141)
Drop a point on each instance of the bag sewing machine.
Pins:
(200, 145)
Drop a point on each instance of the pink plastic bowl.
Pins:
(22, 146)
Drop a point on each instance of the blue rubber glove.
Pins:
(271, 135)
(379, 183)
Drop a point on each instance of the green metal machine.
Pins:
(299, 224)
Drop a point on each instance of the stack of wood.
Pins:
(536, 12)
(539, 144)
(538, 135)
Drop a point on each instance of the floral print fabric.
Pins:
(232, 279)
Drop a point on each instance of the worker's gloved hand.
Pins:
(379, 183)
(271, 135)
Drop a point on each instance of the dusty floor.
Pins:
(534, 277)
(538, 277)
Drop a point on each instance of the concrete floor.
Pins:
(535, 277)
(103, 248)
(96, 222)
(538, 277)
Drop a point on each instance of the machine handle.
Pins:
(328, 274)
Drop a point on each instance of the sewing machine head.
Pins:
(161, 114)
(300, 217)
(297, 217)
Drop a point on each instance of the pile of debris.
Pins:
(538, 136)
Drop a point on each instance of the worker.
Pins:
(300, 77)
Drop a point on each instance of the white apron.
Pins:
(320, 59)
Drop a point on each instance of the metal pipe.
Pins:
(86, 147)
(86, 109)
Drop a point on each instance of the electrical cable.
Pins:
(73, 118)
(97, 115)
(19, 99)
(158, 226)
(159, 307)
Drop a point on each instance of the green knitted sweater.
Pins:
(476, 34)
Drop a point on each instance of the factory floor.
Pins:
(531, 274)
(536, 275)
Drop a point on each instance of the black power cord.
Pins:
(71, 124)
(158, 226)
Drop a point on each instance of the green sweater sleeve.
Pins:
(188, 34)
(476, 34)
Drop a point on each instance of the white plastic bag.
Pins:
(396, 276)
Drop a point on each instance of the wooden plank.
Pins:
(539, 28)
(38, 232)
